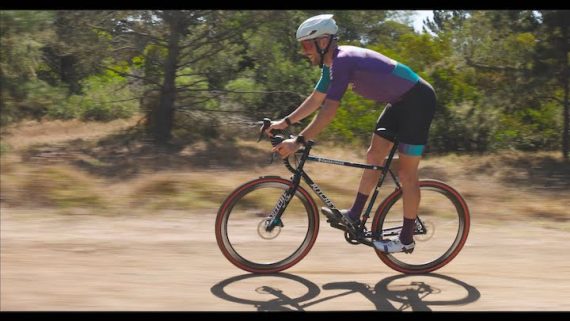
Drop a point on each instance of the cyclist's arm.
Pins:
(311, 103)
(323, 118)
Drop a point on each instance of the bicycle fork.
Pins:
(274, 218)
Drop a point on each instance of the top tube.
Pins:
(344, 163)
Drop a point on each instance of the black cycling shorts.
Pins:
(408, 120)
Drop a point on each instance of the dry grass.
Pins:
(177, 191)
(27, 133)
(49, 186)
(510, 185)
(70, 165)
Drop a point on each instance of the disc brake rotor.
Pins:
(264, 233)
(430, 227)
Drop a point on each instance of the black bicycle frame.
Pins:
(299, 173)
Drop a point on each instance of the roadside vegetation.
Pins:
(59, 171)
(142, 111)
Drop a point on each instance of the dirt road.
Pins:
(169, 261)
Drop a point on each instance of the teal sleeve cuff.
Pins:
(323, 84)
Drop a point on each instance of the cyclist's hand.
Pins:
(279, 124)
(286, 148)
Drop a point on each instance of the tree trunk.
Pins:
(68, 74)
(566, 107)
(565, 80)
(162, 115)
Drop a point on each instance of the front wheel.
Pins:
(242, 220)
(441, 231)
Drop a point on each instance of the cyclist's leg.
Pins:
(408, 174)
(380, 145)
(414, 117)
(376, 154)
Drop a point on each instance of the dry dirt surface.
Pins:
(128, 259)
(169, 261)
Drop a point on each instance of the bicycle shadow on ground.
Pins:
(394, 293)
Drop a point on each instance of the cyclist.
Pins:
(406, 117)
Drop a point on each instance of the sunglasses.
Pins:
(308, 44)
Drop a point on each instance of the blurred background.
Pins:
(92, 98)
(143, 113)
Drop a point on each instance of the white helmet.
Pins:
(317, 26)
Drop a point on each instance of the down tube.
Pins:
(318, 191)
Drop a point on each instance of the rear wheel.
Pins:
(441, 231)
(241, 224)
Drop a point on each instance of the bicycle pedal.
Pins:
(338, 226)
(354, 229)
(331, 215)
(409, 251)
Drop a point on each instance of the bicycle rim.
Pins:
(445, 217)
(241, 233)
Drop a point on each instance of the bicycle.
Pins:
(269, 224)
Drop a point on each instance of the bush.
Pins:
(106, 97)
(245, 84)
(530, 129)
(462, 128)
(355, 120)
(32, 99)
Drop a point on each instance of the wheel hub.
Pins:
(266, 234)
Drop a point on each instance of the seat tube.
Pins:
(384, 170)
(366, 215)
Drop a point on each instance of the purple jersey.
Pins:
(372, 75)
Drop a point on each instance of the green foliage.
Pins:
(463, 122)
(33, 100)
(243, 85)
(22, 34)
(462, 128)
(500, 76)
(529, 129)
(106, 97)
(355, 120)
(277, 66)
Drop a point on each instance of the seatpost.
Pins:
(390, 157)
